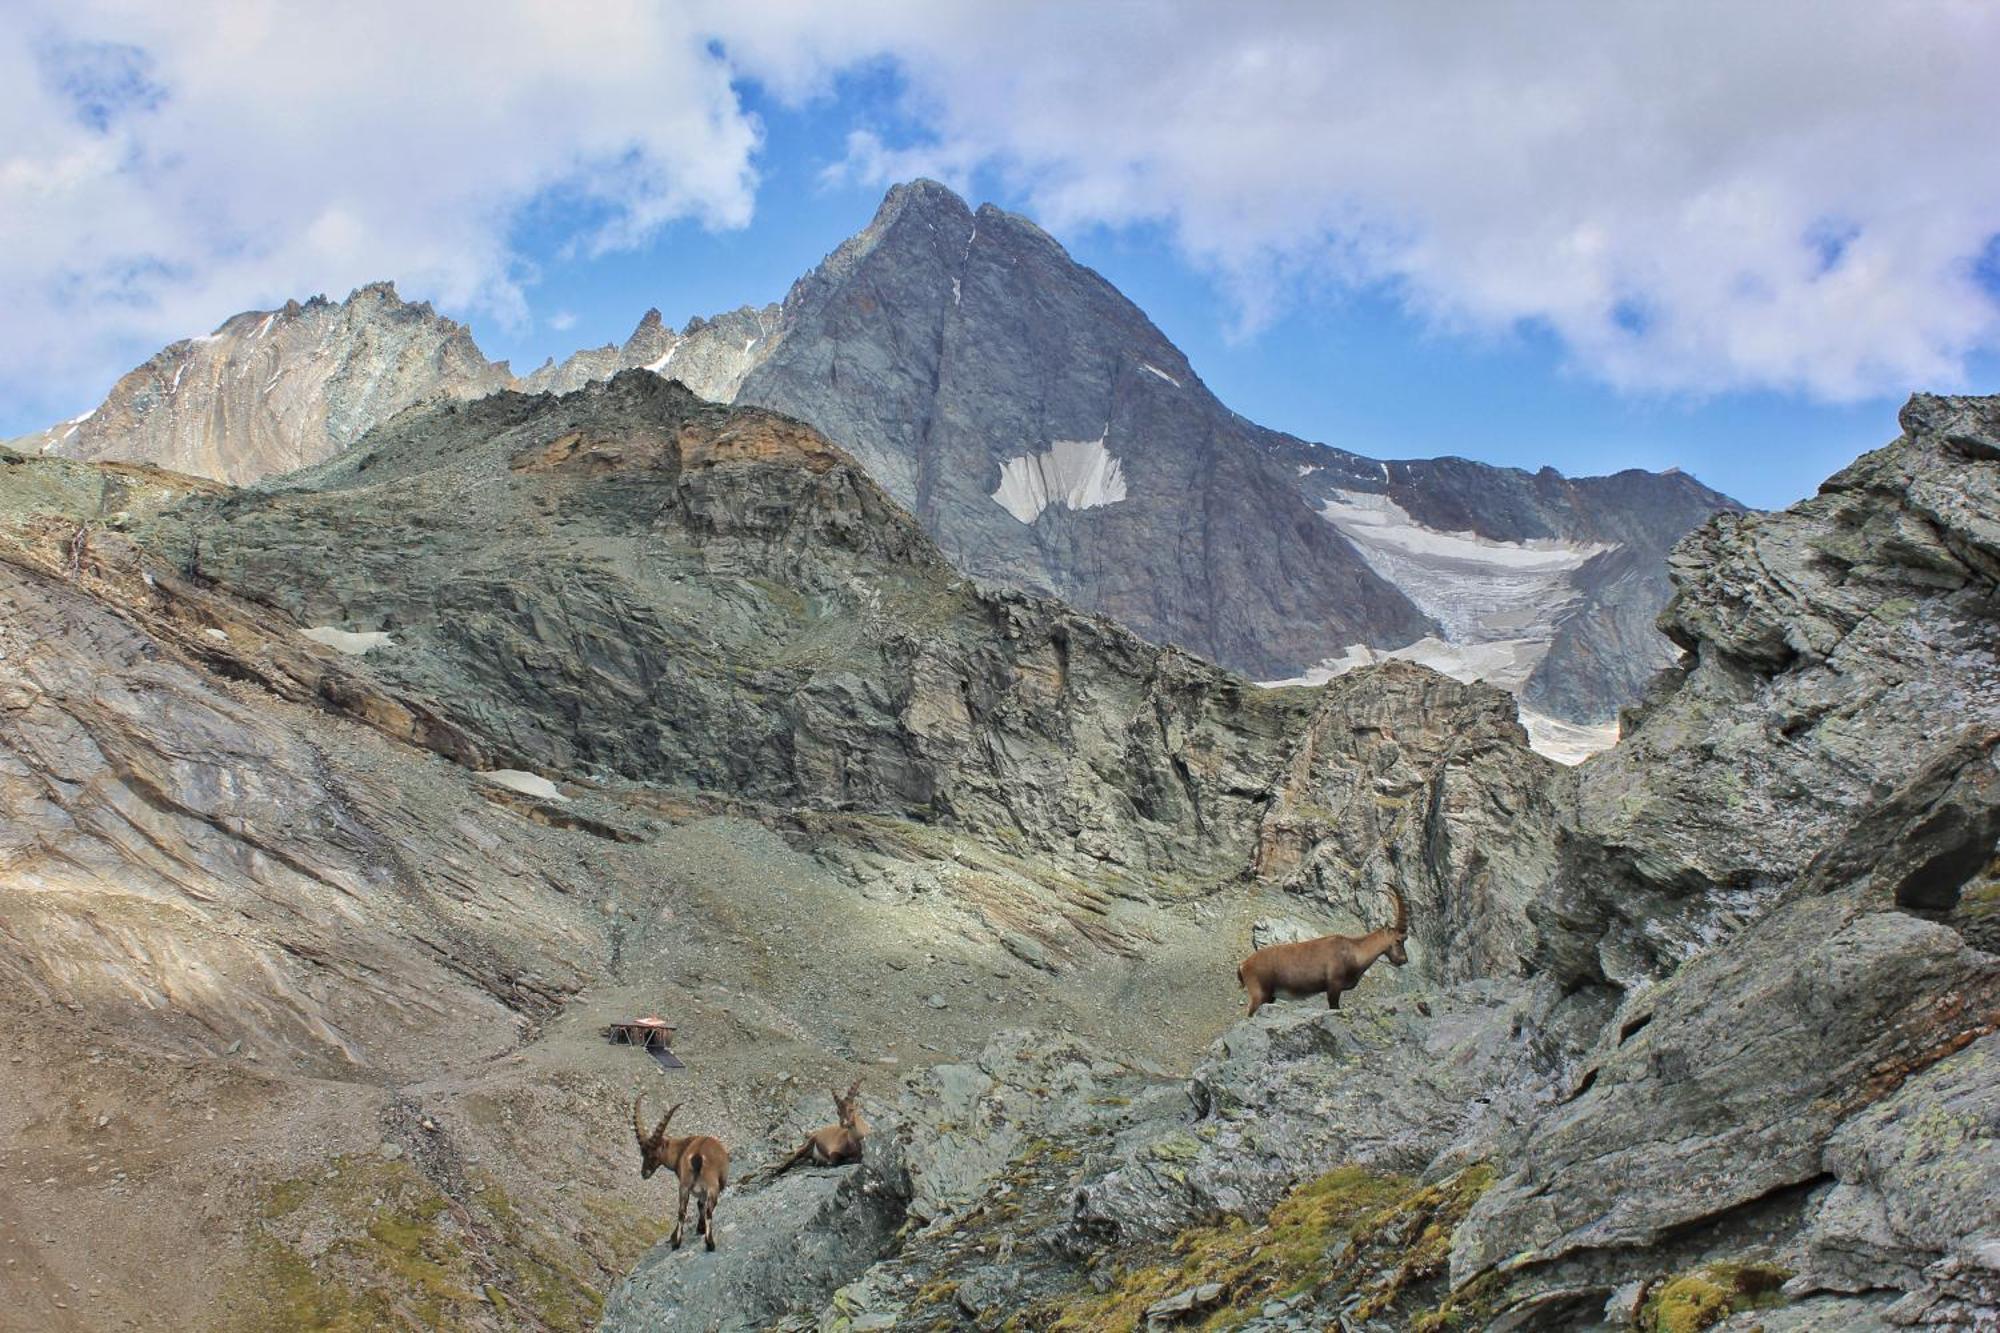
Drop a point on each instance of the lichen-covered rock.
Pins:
(1916, 1176)
(948, 1149)
(1728, 1090)
(788, 1244)
(1393, 1082)
(1834, 649)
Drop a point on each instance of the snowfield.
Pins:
(1478, 589)
(1506, 663)
(1497, 603)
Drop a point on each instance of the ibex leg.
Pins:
(680, 1220)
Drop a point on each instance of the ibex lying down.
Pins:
(834, 1145)
(1327, 965)
(699, 1162)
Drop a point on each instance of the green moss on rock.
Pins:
(371, 1244)
(1710, 1294)
(1351, 1232)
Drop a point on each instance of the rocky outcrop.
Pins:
(271, 391)
(954, 1135)
(1378, 801)
(1834, 650)
(1824, 770)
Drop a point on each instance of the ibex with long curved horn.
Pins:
(699, 1162)
(1328, 965)
(833, 1145)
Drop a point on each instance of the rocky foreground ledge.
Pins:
(1749, 1076)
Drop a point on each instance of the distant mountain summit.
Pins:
(271, 391)
(1045, 434)
(710, 356)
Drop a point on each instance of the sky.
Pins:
(1721, 237)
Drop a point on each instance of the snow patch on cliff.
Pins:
(528, 784)
(345, 641)
(1077, 474)
(1566, 742)
(1506, 663)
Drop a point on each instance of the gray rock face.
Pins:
(1834, 649)
(1917, 1175)
(271, 391)
(1378, 800)
(788, 1245)
(1771, 1082)
(1045, 432)
(951, 1139)
(1382, 1083)
(918, 345)
(1824, 771)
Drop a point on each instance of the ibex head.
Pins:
(844, 1103)
(653, 1146)
(1401, 929)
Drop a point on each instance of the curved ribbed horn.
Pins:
(661, 1128)
(638, 1122)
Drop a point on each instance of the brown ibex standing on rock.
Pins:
(834, 1145)
(699, 1162)
(1327, 965)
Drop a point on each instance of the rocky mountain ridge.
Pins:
(1046, 432)
(271, 391)
(1047, 436)
(1747, 1079)
(352, 807)
(356, 806)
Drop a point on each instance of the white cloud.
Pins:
(561, 320)
(164, 166)
(1659, 185)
